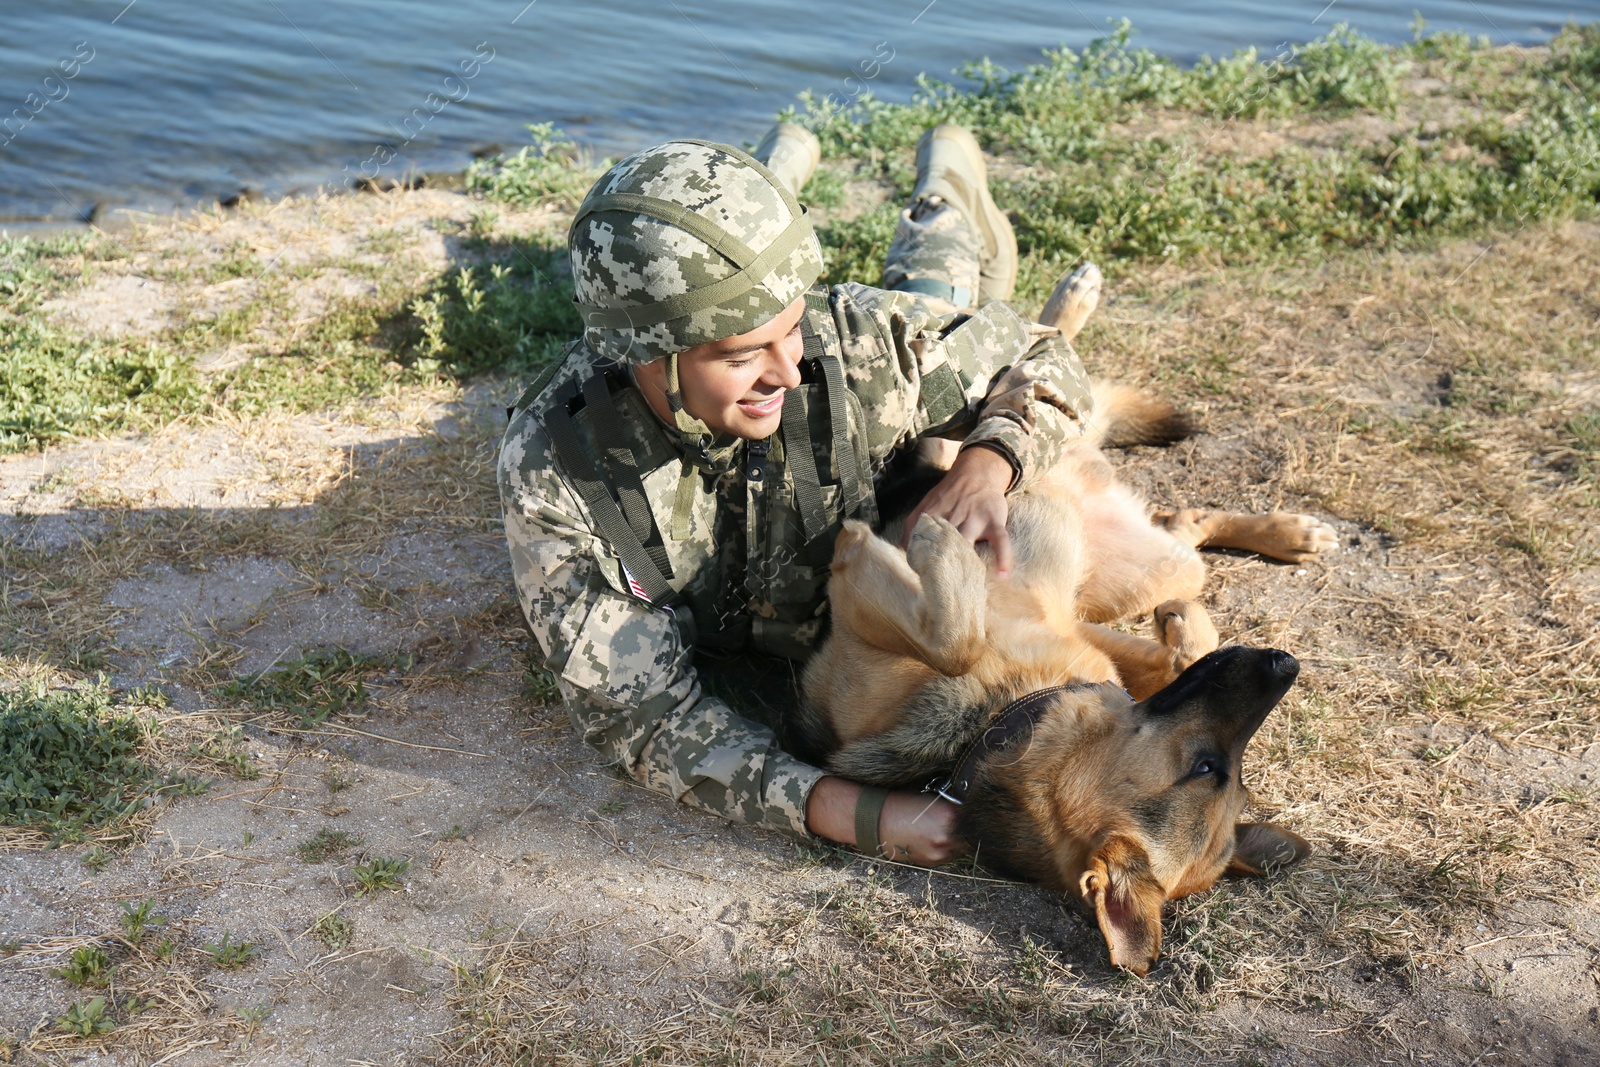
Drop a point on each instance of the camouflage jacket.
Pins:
(748, 558)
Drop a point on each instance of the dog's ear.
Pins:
(1127, 900)
(1260, 848)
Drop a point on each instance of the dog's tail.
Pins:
(1124, 416)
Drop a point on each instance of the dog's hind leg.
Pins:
(1184, 633)
(1280, 535)
(927, 603)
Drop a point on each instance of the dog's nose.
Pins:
(1282, 664)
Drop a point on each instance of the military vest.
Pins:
(742, 559)
(739, 553)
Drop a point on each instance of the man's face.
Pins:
(735, 385)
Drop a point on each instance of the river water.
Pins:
(161, 103)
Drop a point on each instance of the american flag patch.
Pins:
(633, 585)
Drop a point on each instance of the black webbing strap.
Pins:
(597, 496)
(530, 394)
(869, 810)
(855, 475)
(852, 478)
(624, 468)
(797, 451)
(844, 452)
(1015, 722)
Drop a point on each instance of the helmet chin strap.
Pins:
(699, 451)
(698, 440)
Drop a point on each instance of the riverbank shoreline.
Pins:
(276, 115)
(117, 220)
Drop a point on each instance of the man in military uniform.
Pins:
(676, 481)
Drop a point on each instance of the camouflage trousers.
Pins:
(933, 242)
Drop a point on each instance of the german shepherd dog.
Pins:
(1094, 762)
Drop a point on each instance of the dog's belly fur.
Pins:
(1023, 650)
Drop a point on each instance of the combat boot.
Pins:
(791, 152)
(950, 166)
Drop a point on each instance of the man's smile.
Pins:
(760, 409)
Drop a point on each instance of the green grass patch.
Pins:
(136, 919)
(54, 385)
(1061, 107)
(86, 1018)
(326, 844)
(87, 966)
(230, 955)
(228, 750)
(321, 683)
(358, 347)
(1582, 435)
(510, 312)
(1124, 155)
(72, 760)
(550, 167)
(854, 249)
(334, 930)
(381, 872)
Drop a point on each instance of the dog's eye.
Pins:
(1206, 766)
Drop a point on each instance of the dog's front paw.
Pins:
(1297, 538)
(1186, 629)
(932, 538)
(945, 560)
(1074, 300)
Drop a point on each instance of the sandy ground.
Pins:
(554, 912)
(509, 825)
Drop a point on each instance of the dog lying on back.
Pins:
(1094, 762)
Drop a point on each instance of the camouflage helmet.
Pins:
(685, 243)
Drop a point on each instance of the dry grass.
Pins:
(1440, 750)
(357, 488)
(1424, 400)
(171, 1007)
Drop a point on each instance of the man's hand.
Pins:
(914, 827)
(919, 828)
(972, 497)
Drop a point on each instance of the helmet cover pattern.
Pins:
(686, 243)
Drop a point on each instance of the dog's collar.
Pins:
(1014, 723)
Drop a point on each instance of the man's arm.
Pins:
(914, 827)
(993, 379)
(1034, 406)
(620, 664)
(1012, 391)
